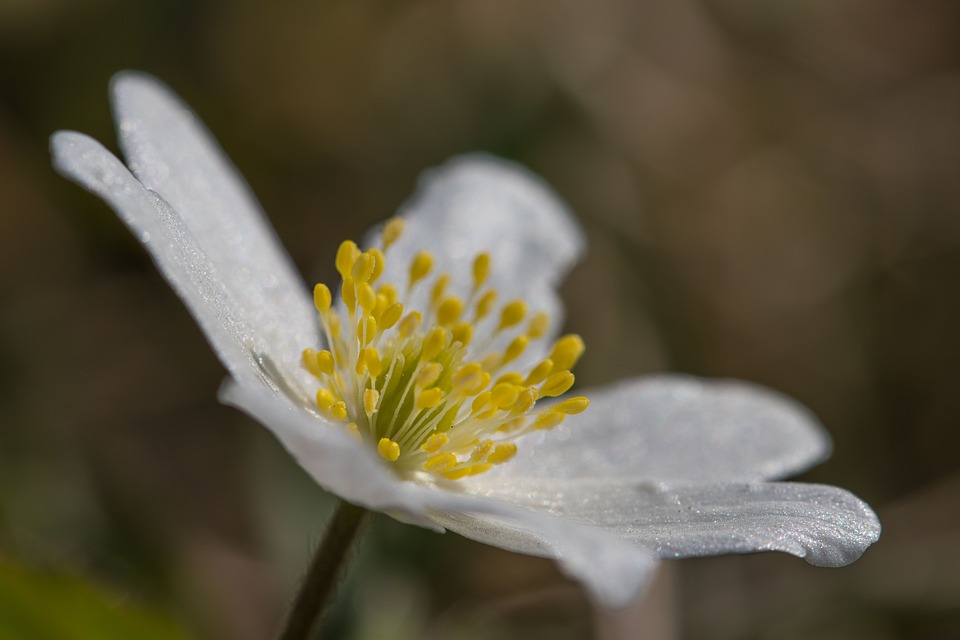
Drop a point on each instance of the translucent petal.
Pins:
(327, 452)
(170, 151)
(479, 203)
(613, 570)
(195, 278)
(825, 525)
(676, 428)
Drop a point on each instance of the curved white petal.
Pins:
(195, 278)
(613, 570)
(170, 151)
(825, 525)
(478, 203)
(675, 429)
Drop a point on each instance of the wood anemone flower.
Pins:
(431, 383)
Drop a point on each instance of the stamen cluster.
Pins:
(421, 387)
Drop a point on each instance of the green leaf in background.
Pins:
(42, 605)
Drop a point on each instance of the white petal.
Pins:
(171, 245)
(825, 525)
(170, 151)
(478, 203)
(612, 570)
(676, 429)
(326, 451)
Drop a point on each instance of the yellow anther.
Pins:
(440, 462)
(309, 360)
(392, 231)
(516, 347)
(435, 442)
(528, 398)
(548, 420)
(325, 362)
(566, 351)
(512, 377)
(366, 330)
(322, 298)
(481, 269)
(363, 267)
(472, 470)
(390, 316)
(349, 294)
(439, 288)
(485, 304)
(482, 450)
(370, 399)
(388, 449)
(428, 375)
(572, 406)
(409, 324)
(462, 332)
(420, 267)
(540, 372)
(557, 384)
(429, 398)
(468, 379)
(380, 307)
(366, 296)
(505, 395)
(369, 361)
(347, 254)
(491, 361)
(389, 292)
(354, 432)
(502, 453)
(338, 411)
(435, 342)
(333, 320)
(449, 311)
(480, 402)
(513, 426)
(325, 399)
(538, 326)
(512, 314)
(379, 263)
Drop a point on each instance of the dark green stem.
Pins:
(326, 569)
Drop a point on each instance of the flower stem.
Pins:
(326, 568)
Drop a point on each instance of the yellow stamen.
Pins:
(538, 325)
(388, 449)
(449, 311)
(370, 399)
(502, 453)
(481, 269)
(392, 231)
(435, 442)
(429, 398)
(485, 304)
(429, 375)
(420, 267)
(322, 298)
(347, 254)
(512, 314)
(573, 406)
(566, 352)
(557, 384)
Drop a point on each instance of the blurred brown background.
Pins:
(770, 189)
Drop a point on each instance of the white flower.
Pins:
(663, 467)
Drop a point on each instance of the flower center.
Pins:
(427, 388)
